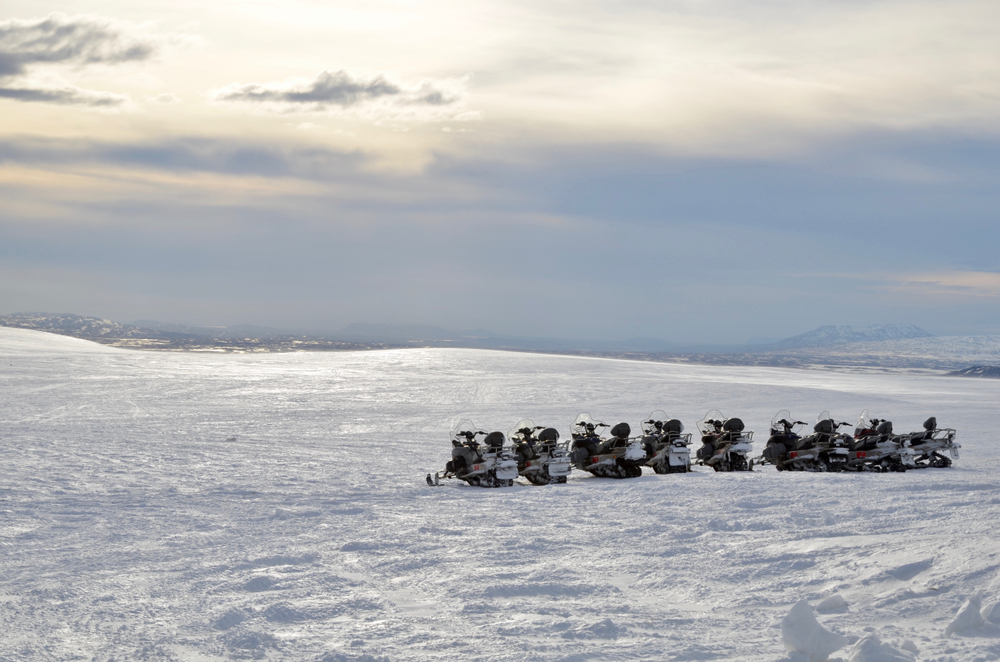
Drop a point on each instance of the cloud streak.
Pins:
(69, 95)
(28, 44)
(949, 284)
(341, 90)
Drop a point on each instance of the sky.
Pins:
(695, 171)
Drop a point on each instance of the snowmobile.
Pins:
(666, 444)
(481, 464)
(540, 457)
(724, 443)
(783, 441)
(927, 445)
(824, 450)
(615, 457)
(875, 448)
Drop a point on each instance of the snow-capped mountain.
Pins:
(838, 335)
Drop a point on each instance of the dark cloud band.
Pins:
(65, 96)
(337, 89)
(66, 39)
(61, 39)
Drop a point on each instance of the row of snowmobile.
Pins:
(873, 447)
(536, 453)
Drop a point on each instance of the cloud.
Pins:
(181, 154)
(949, 284)
(374, 96)
(165, 98)
(27, 44)
(68, 95)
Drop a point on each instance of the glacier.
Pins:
(181, 506)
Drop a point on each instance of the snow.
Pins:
(968, 617)
(802, 633)
(991, 614)
(172, 506)
(835, 602)
(872, 649)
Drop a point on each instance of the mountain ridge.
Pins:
(841, 335)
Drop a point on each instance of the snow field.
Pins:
(160, 506)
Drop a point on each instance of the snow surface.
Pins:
(164, 506)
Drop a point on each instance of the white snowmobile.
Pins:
(875, 448)
(928, 445)
(824, 450)
(540, 457)
(485, 464)
(725, 443)
(666, 444)
(615, 457)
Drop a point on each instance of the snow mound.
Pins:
(230, 619)
(991, 614)
(834, 603)
(872, 649)
(22, 343)
(606, 629)
(341, 657)
(968, 616)
(802, 633)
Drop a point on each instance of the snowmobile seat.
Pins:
(525, 452)
(673, 427)
(825, 426)
(885, 427)
(494, 440)
(930, 424)
(548, 435)
(733, 425)
(621, 431)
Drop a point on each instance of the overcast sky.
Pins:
(700, 170)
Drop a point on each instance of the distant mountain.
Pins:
(80, 326)
(182, 329)
(991, 371)
(839, 335)
(76, 325)
(757, 340)
(394, 333)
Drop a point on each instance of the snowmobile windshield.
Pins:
(585, 425)
(466, 431)
(712, 422)
(783, 420)
(523, 431)
(865, 423)
(654, 424)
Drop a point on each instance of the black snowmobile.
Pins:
(618, 456)
(482, 464)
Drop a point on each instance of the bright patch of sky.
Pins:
(705, 171)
